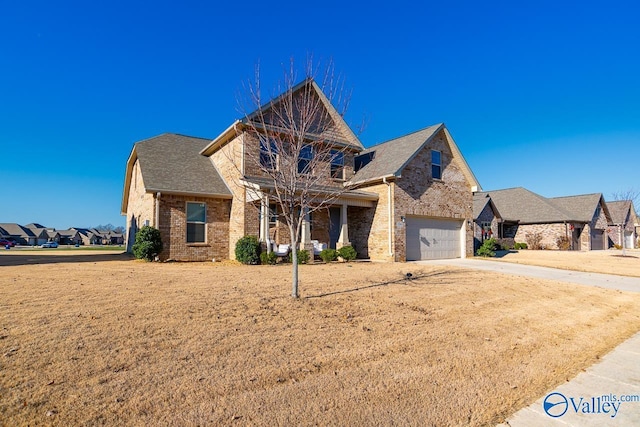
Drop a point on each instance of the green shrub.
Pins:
(520, 245)
(268, 258)
(148, 243)
(347, 253)
(487, 249)
(563, 242)
(303, 257)
(329, 255)
(248, 250)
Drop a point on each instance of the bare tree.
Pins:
(300, 144)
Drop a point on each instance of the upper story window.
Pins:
(196, 222)
(337, 164)
(305, 158)
(363, 160)
(268, 153)
(436, 165)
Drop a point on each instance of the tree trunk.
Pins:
(294, 265)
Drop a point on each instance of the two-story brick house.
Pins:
(407, 198)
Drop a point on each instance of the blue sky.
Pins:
(544, 95)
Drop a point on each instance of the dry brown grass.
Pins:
(127, 342)
(607, 262)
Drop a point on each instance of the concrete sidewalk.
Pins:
(610, 281)
(594, 397)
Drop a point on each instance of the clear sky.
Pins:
(544, 95)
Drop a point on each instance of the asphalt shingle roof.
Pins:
(173, 163)
(391, 156)
(619, 211)
(480, 200)
(580, 208)
(520, 204)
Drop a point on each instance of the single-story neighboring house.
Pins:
(624, 223)
(406, 199)
(22, 235)
(486, 219)
(583, 219)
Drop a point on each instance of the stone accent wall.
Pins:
(486, 215)
(549, 232)
(369, 227)
(418, 193)
(173, 229)
(140, 206)
(228, 162)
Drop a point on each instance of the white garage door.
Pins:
(429, 238)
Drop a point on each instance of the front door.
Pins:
(334, 227)
(575, 237)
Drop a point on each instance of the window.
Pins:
(304, 159)
(273, 215)
(363, 160)
(196, 222)
(337, 164)
(436, 165)
(268, 154)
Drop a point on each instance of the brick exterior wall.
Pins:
(487, 215)
(417, 193)
(549, 232)
(140, 206)
(173, 229)
(369, 227)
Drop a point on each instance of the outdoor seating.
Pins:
(282, 250)
(318, 247)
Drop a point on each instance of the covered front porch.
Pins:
(331, 224)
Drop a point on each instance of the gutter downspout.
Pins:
(390, 219)
(157, 218)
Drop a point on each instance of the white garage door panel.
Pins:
(429, 238)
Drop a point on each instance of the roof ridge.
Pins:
(576, 195)
(172, 133)
(403, 136)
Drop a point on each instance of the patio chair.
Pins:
(318, 247)
(282, 250)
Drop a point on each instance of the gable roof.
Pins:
(619, 211)
(392, 156)
(480, 201)
(13, 229)
(171, 163)
(524, 206)
(581, 207)
(342, 132)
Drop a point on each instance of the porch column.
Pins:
(305, 237)
(264, 221)
(343, 240)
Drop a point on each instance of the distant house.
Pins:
(583, 218)
(39, 231)
(624, 223)
(69, 237)
(22, 235)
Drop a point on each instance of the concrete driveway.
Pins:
(609, 281)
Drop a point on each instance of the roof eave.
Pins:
(227, 135)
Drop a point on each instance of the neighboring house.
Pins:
(22, 235)
(39, 231)
(486, 219)
(69, 237)
(408, 198)
(53, 235)
(624, 221)
(583, 219)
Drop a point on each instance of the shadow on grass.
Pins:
(502, 254)
(31, 258)
(403, 280)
